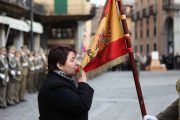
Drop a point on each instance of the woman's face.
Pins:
(70, 66)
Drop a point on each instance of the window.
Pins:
(53, 32)
(154, 26)
(135, 30)
(141, 48)
(60, 7)
(147, 31)
(141, 31)
(58, 33)
(155, 47)
(62, 32)
(135, 49)
(155, 2)
(147, 48)
(147, 3)
(141, 5)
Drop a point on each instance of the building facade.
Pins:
(57, 22)
(156, 26)
(15, 24)
(66, 22)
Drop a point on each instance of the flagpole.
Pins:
(131, 56)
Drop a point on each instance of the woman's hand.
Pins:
(149, 117)
(82, 78)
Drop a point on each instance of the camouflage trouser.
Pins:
(3, 95)
(16, 92)
(31, 82)
(10, 91)
(23, 88)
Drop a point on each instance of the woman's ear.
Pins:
(59, 66)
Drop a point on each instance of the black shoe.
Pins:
(24, 100)
(11, 104)
(16, 102)
(3, 107)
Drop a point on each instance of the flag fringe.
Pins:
(106, 66)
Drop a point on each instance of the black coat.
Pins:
(58, 99)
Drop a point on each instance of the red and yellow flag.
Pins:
(108, 47)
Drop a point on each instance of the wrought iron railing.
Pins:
(38, 8)
(169, 5)
(134, 16)
(146, 12)
(153, 9)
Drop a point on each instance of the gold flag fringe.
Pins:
(106, 66)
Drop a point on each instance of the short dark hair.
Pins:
(58, 54)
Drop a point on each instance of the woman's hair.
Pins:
(58, 54)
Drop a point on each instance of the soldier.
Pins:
(12, 75)
(18, 77)
(138, 63)
(45, 62)
(42, 72)
(24, 61)
(37, 71)
(31, 73)
(4, 78)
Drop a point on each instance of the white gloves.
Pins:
(13, 73)
(37, 67)
(32, 68)
(25, 64)
(7, 66)
(19, 72)
(2, 76)
(7, 80)
(149, 117)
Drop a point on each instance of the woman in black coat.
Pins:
(61, 97)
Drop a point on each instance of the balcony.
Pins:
(134, 16)
(169, 5)
(146, 12)
(153, 9)
(38, 8)
(61, 41)
(139, 15)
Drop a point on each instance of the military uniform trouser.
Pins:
(143, 66)
(36, 80)
(16, 92)
(3, 95)
(23, 88)
(31, 82)
(10, 91)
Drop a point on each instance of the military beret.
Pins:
(17, 52)
(2, 48)
(24, 47)
(11, 47)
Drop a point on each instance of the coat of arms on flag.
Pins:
(108, 47)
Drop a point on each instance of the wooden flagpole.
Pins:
(131, 56)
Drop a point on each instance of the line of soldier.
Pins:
(20, 71)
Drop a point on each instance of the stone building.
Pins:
(57, 22)
(15, 24)
(64, 22)
(156, 26)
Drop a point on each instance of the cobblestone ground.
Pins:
(115, 97)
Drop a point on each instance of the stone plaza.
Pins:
(115, 97)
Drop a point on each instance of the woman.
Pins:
(60, 98)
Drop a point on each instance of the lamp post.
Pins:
(31, 16)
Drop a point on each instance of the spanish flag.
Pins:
(108, 47)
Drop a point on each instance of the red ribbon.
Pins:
(129, 50)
